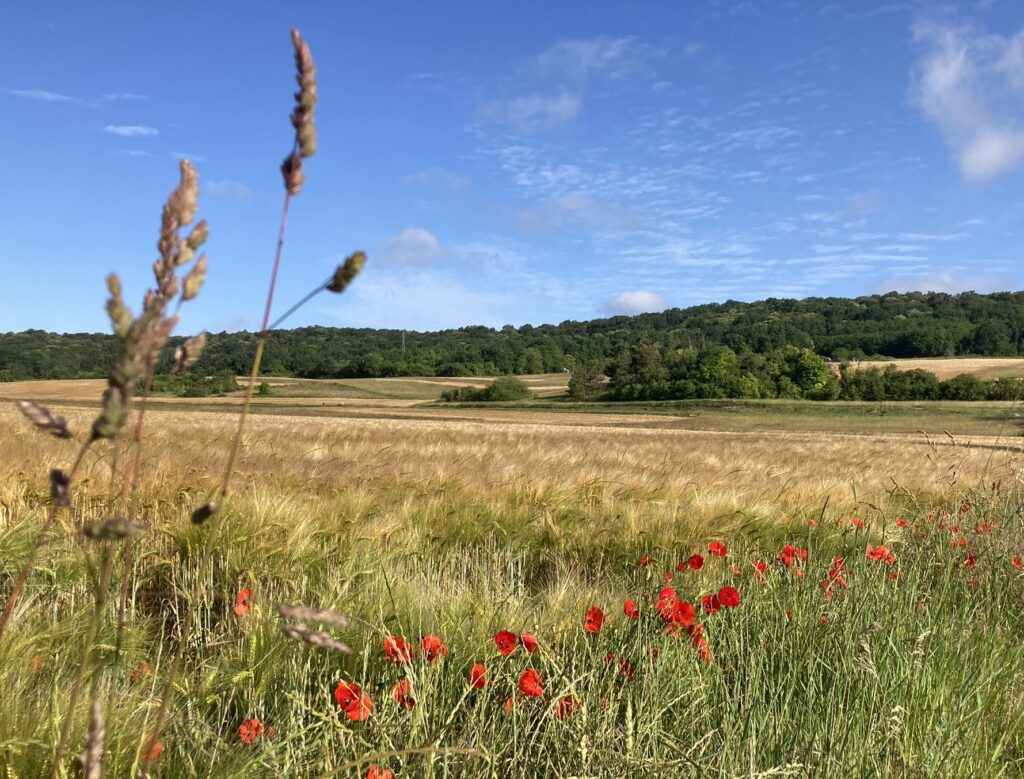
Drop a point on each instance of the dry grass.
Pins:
(982, 367)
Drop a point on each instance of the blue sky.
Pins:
(515, 162)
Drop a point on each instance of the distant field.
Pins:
(982, 367)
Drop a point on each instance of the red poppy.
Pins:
(812, 523)
(666, 600)
(594, 619)
(631, 610)
(696, 562)
(627, 670)
(710, 603)
(608, 657)
(1017, 562)
(788, 555)
(964, 508)
(250, 731)
(958, 541)
(789, 616)
(880, 554)
(152, 750)
(729, 597)
(759, 569)
(644, 561)
(666, 578)
(529, 642)
(402, 693)
(717, 549)
(698, 642)
(567, 706)
(683, 613)
(901, 523)
(243, 602)
(397, 650)
(477, 676)
(433, 648)
(857, 523)
(983, 527)
(376, 772)
(972, 558)
(510, 703)
(530, 684)
(142, 669)
(356, 704)
(824, 620)
(505, 640)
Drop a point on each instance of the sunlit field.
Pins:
(525, 542)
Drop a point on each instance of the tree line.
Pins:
(891, 325)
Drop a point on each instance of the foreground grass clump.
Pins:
(824, 668)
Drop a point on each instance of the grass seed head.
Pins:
(347, 271)
(44, 419)
(115, 529)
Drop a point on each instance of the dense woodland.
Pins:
(758, 336)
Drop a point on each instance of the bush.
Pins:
(502, 388)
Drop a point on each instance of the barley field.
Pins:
(450, 537)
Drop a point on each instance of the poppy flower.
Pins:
(901, 523)
(1017, 562)
(608, 657)
(683, 613)
(510, 703)
(958, 541)
(812, 523)
(666, 600)
(376, 772)
(433, 648)
(710, 603)
(250, 730)
(631, 610)
(696, 562)
(788, 555)
(644, 561)
(243, 602)
(505, 640)
(880, 554)
(567, 706)
(729, 597)
(37, 663)
(699, 642)
(356, 704)
(964, 508)
(141, 669)
(736, 571)
(717, 549)
(759, 569)
(594, 619)
(477, 676)
(972, 558)
(529, 642)
(666, 578)
(402, 693)
(530, 684)
(152, 750)
(857, 523)
(627, 670)
(397, 649)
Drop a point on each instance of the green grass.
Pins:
(918, 676)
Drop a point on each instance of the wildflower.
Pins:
(710, 603)
(631, 610)
(505, 640)
(972, 558)
(152, 750)
(696, 562)
(880, 554)
(243, 602)
(1017, 562)
(141, 669)
(644, 561)
(530, 684)
(529, 642)
(250, 730)
(958, 541)
(397, 649)
(736, 572)
(857, 523)
(376, 772)
(901, 523)
(812, 523)
(666, 600)
(683, 613)
(402, 693)
(717, 549)
(788, 555)
(37, 663)
(477, 676)
(964, 508)
(567, 706)
(666, 578)
(594, 620)
(510, 703)
(627, 670)
(699, 642)
(799, 572)
(789, 616)
(729, 597)
(433, 648)
(356, 704)
(759, 569)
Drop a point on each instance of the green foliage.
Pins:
(587, 382)
(501, 389)
(893, 325)
(189, 384)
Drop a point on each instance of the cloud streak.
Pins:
(131, 130)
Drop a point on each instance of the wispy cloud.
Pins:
(412, 246)
(946, 281)
(580, 59)
(131, 130)
(434, 176)
(228, 188)
(971, 84)
(110, 98)
(576, 209)
(537, 112)
(44, 96)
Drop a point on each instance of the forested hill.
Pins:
(891, 325)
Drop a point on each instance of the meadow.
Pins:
(418, 522)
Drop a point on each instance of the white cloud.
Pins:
(637, 302)
(971, 85)
(43, 96)
(123, 96)
(412, 245)
(131, 130)
(946, 281)
(578, 59)
(576, 209)
(536, 112)
(228, 188)
(434, 176)
(136, 153)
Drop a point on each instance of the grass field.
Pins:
(416, 520)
